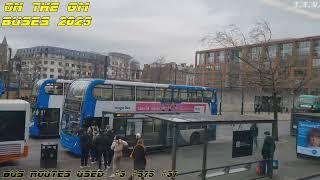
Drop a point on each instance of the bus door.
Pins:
(152, 132)
(48, 121)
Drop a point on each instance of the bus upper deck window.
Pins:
(124, 93)
(207, 96)
(195, 96)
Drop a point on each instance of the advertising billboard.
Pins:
(308, 138)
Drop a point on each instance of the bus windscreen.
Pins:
(12, 125)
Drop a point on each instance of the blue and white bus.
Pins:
(47, 98)
(88, 99)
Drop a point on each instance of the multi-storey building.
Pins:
(123, 67)
(168, 73)
(53, 62)
(223, 67)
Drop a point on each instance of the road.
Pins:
(188, 158)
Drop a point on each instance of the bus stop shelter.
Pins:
(219, 156)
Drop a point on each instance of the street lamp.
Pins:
(8, 74)
(242, 97)
(220, 108)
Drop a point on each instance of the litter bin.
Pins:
(49, 155)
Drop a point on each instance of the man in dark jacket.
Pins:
(255, 132)
(267, 153)
(84, 147)
(139, 157)
(101, 143)
(109, 138)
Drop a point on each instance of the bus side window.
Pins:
(207, 96)
(103, 92)
(180, 95)
(195, 96)
(124, 93)
(163, 94)
(145, 93)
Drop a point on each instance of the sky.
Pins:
(147, 29)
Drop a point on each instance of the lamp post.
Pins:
(220, 105)
(242, 97)
(9, 72)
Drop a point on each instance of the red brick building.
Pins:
(216, 66)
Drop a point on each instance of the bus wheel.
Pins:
(195, 139)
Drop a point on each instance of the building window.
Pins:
(44, 75)
(255, 53)
(235, 55)
(299, 73)
(51, 70)
(201, 58)
(45, 62)
(217, 68)
(52, 62)
(59, 70)
(316, 63)
(272, 51)
(45, 69)
(286, 50)
(316, 50)
(210, 57)
(67, 64)
(60, 63)
(303, 48)
(220, 56)
(51, 76)
(72, 65)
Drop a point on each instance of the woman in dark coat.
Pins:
(139, 156)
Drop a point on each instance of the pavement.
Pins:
(188, 158)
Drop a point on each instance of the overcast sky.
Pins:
(146, 29)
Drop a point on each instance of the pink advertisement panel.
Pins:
(177, 107)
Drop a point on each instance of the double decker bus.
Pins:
(47, 99)
(14, 119)
(88, 99)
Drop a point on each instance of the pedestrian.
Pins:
(139, 157)
(117, 146)
(101, 144)
(94, 155)
(84, 147)
(259, 108)
(255, 108)
(267, 153)
(255, 132)
(110, 135)
(91, 150)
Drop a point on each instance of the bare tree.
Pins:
(259, 68)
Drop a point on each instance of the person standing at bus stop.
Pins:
(117, 146)
(267, 153)
(255, 132)
(139, 157)
(101, 144)
(84, 147)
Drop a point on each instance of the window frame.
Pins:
(103, 86)
(145, 88)
(117, 87)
